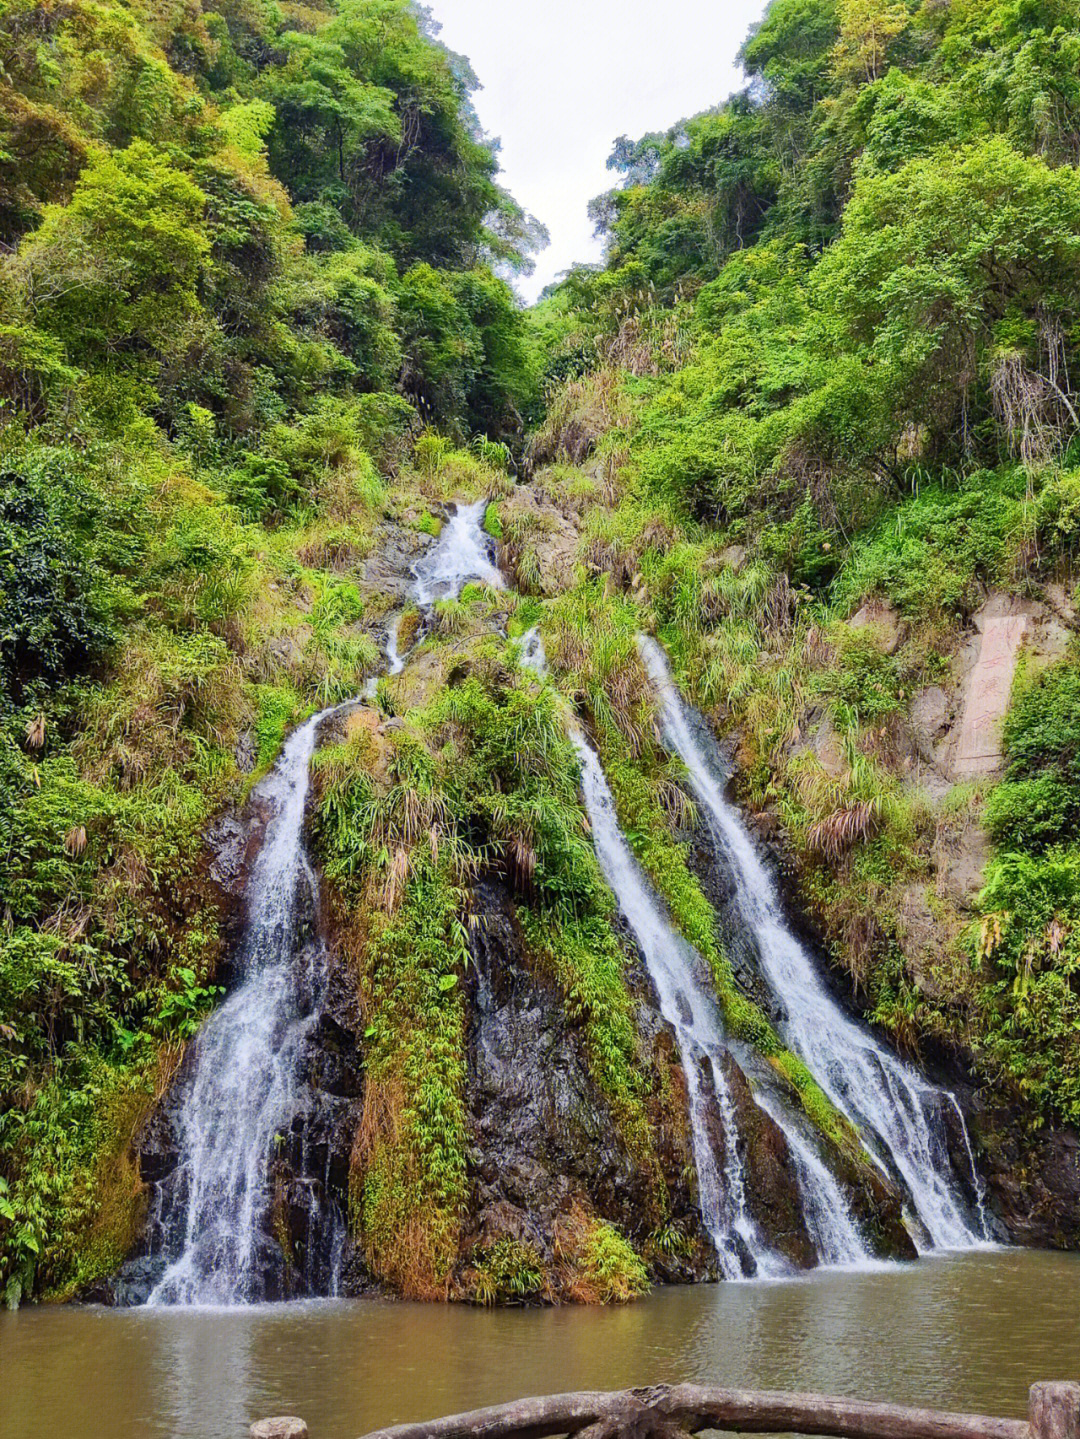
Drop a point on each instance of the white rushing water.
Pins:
(898, 1113)
(247, 1090)
(689, 1007)
(462, 553)
(675, 969)
(247, 1087)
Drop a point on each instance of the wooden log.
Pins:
(690, 1408)
(524, 1418)
(1054, 1411)
(769, 1412)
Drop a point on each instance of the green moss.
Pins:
(407, 1190)
(492, 522)
(277, 707)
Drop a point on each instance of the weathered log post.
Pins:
(680, 1410)
(286, 1428)
(1054, 1411)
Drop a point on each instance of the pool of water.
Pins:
(963, 1332)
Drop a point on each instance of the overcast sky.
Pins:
(563, 78)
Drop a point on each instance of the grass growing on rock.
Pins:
(480, 777)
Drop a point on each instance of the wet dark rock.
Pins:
(131, 1285)
(539, 1134)
(156, 1147)
(542, 1139)
(1032, 1180)
(772, 1183)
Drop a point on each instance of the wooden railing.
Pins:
(675, 1411)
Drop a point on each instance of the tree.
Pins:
(867, 29)
(116, 272)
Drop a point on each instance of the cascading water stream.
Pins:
(826, 1208)
(687, 1004)
(691, 1011)
(247, 1088)
(211, 1217)
(461, 554)
(394, 661)
(893, 1107)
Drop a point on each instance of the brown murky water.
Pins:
(968, 1332)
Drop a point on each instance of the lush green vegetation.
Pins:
(822, 377)
(250, 254)
(1032, 895)
(481, 778)
(815, 405)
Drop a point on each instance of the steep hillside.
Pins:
(825, 381)
(812, 426)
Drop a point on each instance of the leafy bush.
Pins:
(54, 620)
(1030, 814)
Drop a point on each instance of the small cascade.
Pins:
(394, 660)
(900, 1116)
(462, 553)
(212, 1216)
(826, 1208)
(688, 1006)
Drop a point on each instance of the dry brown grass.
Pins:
(838, 833)
(580, 412)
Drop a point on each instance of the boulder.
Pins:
(928, 716)
(388, 570)
(539, 548)
(881, 617)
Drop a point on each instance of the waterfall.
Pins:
(246, 1090)
(461, 554)
(212, 1217)
(676, 971)
(898, 1113)
(826, 1208)
(688, 1005)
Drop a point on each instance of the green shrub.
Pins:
(54, 620)
(1031, 814)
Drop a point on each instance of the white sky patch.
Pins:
(563, 78)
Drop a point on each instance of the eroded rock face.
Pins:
(388, 570)
(881, 618)
(540, 544)
(1032, 1180)
(543, 1142)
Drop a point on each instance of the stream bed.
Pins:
(967, 1331)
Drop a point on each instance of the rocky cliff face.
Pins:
(545, 1157)
(543, 1143)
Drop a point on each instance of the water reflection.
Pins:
(968, 1332)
